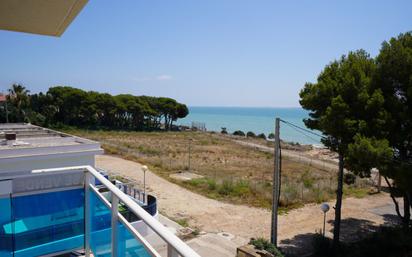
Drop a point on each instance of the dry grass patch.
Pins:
(231, 172)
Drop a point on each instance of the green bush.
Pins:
(196, 181)
(211, 184)
(241, 188)
(226, 188)
(261, 135)
(263, 244)
(307, 179)
(349, 178)
(239, 133)
(250, 134)
(183, 222)
(271, 136)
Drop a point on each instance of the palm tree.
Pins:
(19, 100)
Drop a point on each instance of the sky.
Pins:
(254, 53)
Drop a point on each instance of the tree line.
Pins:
(62, 105)
(363, 106)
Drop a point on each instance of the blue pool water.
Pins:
(46, 223)
(257, 120)
(43, 223)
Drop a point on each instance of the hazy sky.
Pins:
(210, 52)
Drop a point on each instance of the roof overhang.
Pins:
(45, 17)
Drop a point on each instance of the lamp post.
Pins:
(144, 168)
(325, 208)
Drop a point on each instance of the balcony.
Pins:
(40, 220)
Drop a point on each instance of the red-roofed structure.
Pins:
(2, 98)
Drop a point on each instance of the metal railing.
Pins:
(128, 189)
(175, 246)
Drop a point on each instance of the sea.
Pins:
(255, 119)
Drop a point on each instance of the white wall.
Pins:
(25, 164)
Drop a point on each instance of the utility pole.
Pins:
(276, 186)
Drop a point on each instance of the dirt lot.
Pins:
(295, 227)
(230, 171)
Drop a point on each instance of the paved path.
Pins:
(295, 228)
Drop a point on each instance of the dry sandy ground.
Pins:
(359, 215)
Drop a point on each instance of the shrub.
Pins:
(271, 135)
(349, 178)
(356, 191)
(241, 188)
(223, 131)
(263, 244)
(195, 182)
(289, 193)
(261, 135)
(239, 133)
(183, 222)
(307, 180)
(250, 134)
(320, 195)
(226, 188)
(211, 184)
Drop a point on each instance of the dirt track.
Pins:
(359, 215)
(293, 155)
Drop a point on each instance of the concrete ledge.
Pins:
(250, 251)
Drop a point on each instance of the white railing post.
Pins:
(87, 226)
(171, 252)
(115, 236)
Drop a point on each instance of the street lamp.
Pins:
(144, 168)
(325, 208)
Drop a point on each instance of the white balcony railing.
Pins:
(175, 246)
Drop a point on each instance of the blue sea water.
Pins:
(255, 119)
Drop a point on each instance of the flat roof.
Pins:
(34, 140)
(45, 17)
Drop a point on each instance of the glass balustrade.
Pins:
(61, 220)
(45, 223)
(100, 229)
(6, 234)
